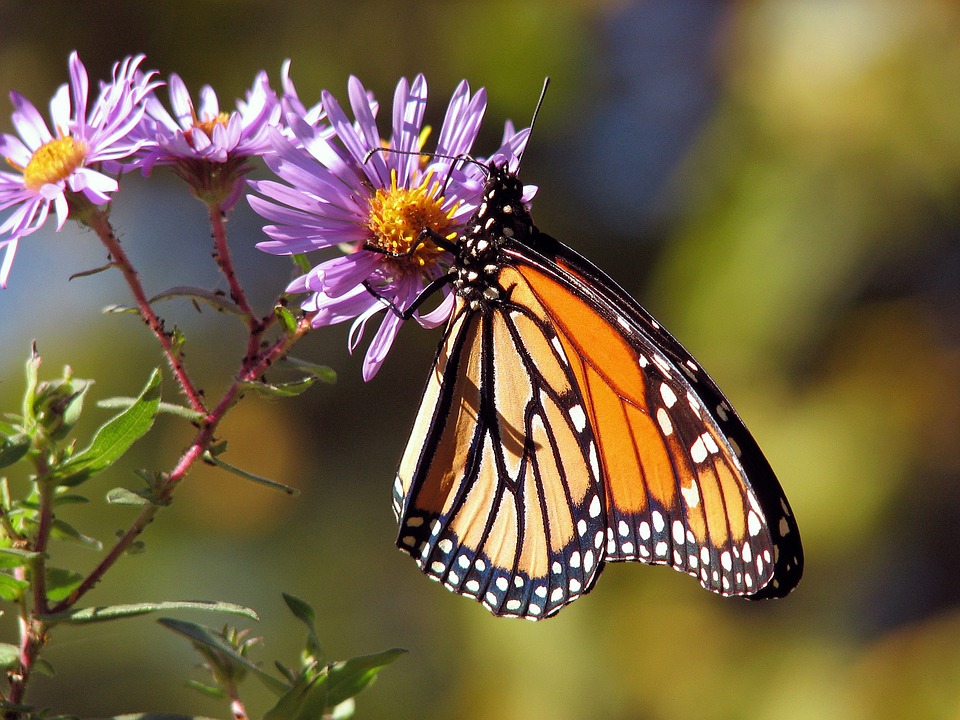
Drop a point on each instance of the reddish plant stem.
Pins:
(223, 258)
(44, 526)
(101, 225)
(250, 371)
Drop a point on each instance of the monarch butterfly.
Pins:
(562, 428)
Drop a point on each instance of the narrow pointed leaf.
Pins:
(324, 373)
(13, 448)
(289, 389)
(122, 496)
(214, 299)
(106, 613)
(114, 438)
(287, 321)
(164, 407)
(348, 678)
(92, 271)
(273, 484)
(73, 410)
(202, 636)
(305, 614)
(13, 557)
(64, 531)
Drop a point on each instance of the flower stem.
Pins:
(99, 222)
(221, 254)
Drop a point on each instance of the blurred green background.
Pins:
(778, 181)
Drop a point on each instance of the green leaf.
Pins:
(347, 679)
(70, 500)
(14, 448)
(214, 299)
(45, 668)
(164, 407)
(13, 557)
(61, 582)
(288, 389)
(120, 309)
(114, 438)
(65, 531)
(9, 656)
(286, 319)
(11, 588)
(295, 703)
(324, 373)
(70, 413)
(93, 271)
(212, 459)
(305, 614)
(207, 690)
(202, 636)
(105, 613)
(314, 694)
(33, 379)
(122, 496)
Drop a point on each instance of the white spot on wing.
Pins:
(678, 535)
(594, 463)
(658, 523)
(668, 395)
(578, 417)
(663, 420)
(661, 362)
(698, 453)
(710, 443)
(691, 495)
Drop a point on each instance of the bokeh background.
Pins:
(777, 180)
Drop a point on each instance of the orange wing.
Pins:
(675, 490)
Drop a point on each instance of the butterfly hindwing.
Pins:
(499, 498)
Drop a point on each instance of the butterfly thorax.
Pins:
(501, 218)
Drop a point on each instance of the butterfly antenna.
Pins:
(536, 112)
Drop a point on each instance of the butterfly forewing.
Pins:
(686, 483)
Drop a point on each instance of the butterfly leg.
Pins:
(406, 314)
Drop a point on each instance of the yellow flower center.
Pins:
(54, 161)
(398, 217)
(207, 125)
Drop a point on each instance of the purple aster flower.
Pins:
(344, 187)
(291, 102)
(62, 169)
(207, 146)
